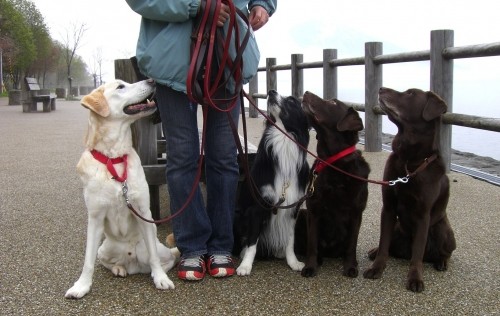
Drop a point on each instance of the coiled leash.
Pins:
(212, 68)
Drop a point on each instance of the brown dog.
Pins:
(414, 224)
(335, 209)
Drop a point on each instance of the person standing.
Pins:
(203, 234)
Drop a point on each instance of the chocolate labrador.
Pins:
(414, 224)
(334, 211)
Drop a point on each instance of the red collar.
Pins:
(109, 162)
(320, 165)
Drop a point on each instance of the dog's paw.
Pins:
(162, 282)
(296, 266)
(441, 265)
(351, 272)
(119, 271)
(78, 290)
(243, 270)
(309, 272)
(175, 253)
(415, 285)
(373, 273)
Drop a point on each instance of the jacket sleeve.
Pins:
(165, 10)
(269, 5)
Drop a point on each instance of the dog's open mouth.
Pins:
(146, 105)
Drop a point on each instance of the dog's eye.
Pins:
(120, 86)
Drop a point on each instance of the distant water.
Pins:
(478, 142)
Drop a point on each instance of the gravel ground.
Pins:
(43, 228)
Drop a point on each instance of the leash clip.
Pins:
(283, 191)
(310, 190)
(125, 192)
(402, 180)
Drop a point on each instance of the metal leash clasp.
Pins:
(283, 191)
(402, 180)
(125, 192)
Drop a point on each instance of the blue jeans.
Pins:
(198, 229)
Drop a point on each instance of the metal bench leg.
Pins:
(154, 198)
(46, 106)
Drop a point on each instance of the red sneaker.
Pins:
(191, 269)
(220, 266)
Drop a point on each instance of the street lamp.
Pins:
(1, 71)
(1, 60)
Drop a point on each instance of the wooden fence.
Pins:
(441, 56)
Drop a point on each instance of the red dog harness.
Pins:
(320, 165)
(110, 162)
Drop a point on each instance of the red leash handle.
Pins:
(212, 68)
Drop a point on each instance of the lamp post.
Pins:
(1, 71)
(1, 61)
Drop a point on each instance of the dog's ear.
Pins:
(96, 102)
(350, 122)
(435, 106)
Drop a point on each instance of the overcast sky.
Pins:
(308, 27)
(305, 27)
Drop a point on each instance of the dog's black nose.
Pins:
(272, 93)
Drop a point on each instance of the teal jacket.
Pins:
(163, 47)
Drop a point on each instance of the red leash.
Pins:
(211, 67)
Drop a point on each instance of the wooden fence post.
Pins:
(271, 75)
(373, 82)
(330, 80)
(253, 88)
(297, 76)
(441, 83)
(144, 133)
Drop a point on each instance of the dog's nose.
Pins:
(150, 81)
(272, 93)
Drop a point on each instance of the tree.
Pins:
(41, 38)
(71, 44)
(96, 67)
(16, 41)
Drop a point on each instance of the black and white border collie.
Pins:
(280, 169)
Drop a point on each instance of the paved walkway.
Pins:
(43, 228)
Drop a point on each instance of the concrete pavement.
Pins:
(43, 228)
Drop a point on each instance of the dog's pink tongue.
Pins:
(143, 106)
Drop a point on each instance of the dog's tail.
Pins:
(173, 249)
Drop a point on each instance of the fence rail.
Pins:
(441, 55)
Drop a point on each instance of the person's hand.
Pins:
(223, 15)
(258, 17)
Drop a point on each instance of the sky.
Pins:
(308, 27)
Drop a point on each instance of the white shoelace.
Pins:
(220, 259)
(192, 262)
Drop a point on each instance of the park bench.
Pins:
(33, 97)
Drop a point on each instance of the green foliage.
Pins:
(16, 35)
(29, 50)
(40, 32)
